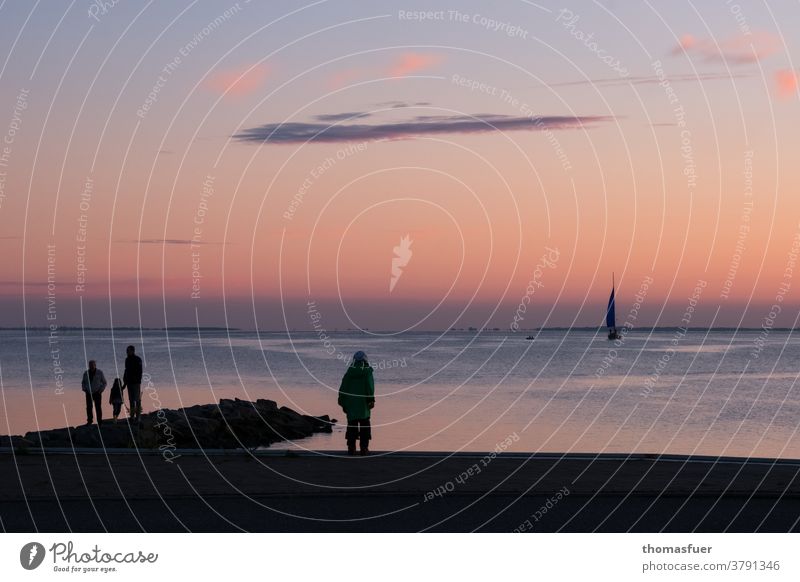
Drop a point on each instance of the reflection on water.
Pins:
(571, 392)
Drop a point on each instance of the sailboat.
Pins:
(611, 316)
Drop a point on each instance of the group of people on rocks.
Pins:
(94, 384)
(356, 396)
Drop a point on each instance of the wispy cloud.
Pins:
(346, 76)
(738, 49)
(419, 126)
(238, 82)
(400, 66)
(332, 117)
(17, 284)
(650, 80)
(409, 63)
(169, 241)
(787, 82)
(402, 104)
(349, 115)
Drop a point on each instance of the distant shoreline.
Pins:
(385, 331)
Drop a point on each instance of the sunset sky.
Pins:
(227, 163)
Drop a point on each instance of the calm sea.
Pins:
(703, 392)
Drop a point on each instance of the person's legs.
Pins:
(365, 435)
(89, 404)
(135, 396)
(351, 436)
(117, 409)
(98, 406)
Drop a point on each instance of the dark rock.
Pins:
(321, 423)
(15, 441)
(299, 422)
(265, 406)
(233, 423)
(283, 427)
(59, 437)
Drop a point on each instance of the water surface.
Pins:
(708, 392)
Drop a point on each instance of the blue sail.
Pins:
(611, 316)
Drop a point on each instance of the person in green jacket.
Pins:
(357, 398)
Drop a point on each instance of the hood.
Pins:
(358, 371)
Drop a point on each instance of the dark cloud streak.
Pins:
(299, 132)
(401, 104)
(648, 80)
(168, 241)
(333, 117)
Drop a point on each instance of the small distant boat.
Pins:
(611, 315)
(530, 337)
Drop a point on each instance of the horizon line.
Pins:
(366, 329)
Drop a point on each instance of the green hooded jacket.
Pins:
(357, 391)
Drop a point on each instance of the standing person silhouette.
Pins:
(93, 383)
(132, 379)
(357, 398)
(115, 399)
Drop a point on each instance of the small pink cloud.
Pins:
(738, 49)
(787, 81)
(345, 77)
(403, 65)
(686, 42)
(409, 63)
(238, 82)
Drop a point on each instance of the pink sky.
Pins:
(250, 178)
